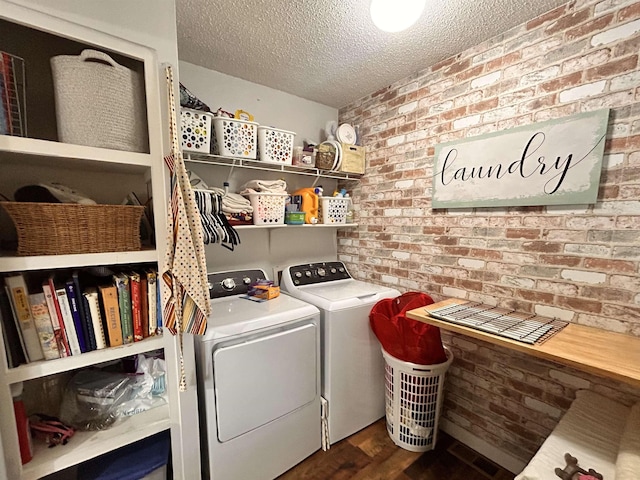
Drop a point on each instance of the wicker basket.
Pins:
(68, 228)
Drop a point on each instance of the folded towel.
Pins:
(264, 186)
(232, 202)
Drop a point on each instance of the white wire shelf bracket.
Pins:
(233, 162)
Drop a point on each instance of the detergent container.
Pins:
(309, 204)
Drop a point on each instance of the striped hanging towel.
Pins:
(184, 274)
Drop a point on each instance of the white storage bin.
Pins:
(99, 103)
(268, 208)
(195, 130)
(235, 138)
(413, 400)
(275, 146)
(334, 209)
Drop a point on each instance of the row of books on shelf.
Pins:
(64, 315)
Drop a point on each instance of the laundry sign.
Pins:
(557, 162)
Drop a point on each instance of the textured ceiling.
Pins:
(329, 51)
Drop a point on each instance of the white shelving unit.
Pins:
(321, 225)
(244, 163)
(104, 174)
(234, 165)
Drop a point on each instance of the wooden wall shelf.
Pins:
(600, 352)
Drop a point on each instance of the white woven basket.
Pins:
(99, 102)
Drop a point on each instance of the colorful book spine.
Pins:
(136, 305)
(56, 318)
(159, 322)
(124, 301)
(144, 305)
(72, 297)
(13, 343)
(109, 296)
(87, 326)
(93, 307)
(67, 321)
(19, 299)
(152, 301)
(42, 321)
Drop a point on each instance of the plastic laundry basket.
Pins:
(334, 209)
(413, 399)
(268, 208)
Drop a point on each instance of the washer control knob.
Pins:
(321, 272)
(307, 273)
(228, 284)
(246, 281)
(341, 269)
(297, 282)
(298, 274)
(333, 271)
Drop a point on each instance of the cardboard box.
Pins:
(352, 159)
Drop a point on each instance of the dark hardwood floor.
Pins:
(371, 455)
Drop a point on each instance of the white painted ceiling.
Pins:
(329, 51)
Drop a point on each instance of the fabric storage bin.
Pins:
(99, 102)
(334, 209)
(268, 208)
(195, 130)
(145, 459)
(70, 228)
(352, 159)
(275, 146)
(235, 138)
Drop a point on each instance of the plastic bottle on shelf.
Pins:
(349, 216)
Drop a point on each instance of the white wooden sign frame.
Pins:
(557, 162)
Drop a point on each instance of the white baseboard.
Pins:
(494, 454)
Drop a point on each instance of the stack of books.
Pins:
(70, 314)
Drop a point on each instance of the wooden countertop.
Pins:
(589, 349)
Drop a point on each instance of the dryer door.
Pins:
(265, 378)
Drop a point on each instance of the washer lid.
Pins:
(344, 289)
(237, 314)
(341, 294)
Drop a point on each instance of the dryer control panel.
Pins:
(312, 273)
(225, 284)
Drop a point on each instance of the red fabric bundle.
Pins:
(404, 338)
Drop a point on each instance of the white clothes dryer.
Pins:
(352, 362)
(258, 368)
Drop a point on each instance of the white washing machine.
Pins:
(258, 368)
(352, 363)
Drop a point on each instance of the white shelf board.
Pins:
(44, 368)
(245, 163)
(319, 225)
(84, 446)
(18, 150)
(46, 262)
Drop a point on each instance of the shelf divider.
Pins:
(44, 368)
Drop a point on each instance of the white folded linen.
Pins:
(264, 186)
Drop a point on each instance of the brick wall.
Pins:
(578, 263)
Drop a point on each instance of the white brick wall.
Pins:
(577, 263)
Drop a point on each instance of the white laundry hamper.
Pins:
(413, 400)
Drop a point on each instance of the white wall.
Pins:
(148, 22)
(267, 249)
(269, 107)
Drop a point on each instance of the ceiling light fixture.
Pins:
(396, 15)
